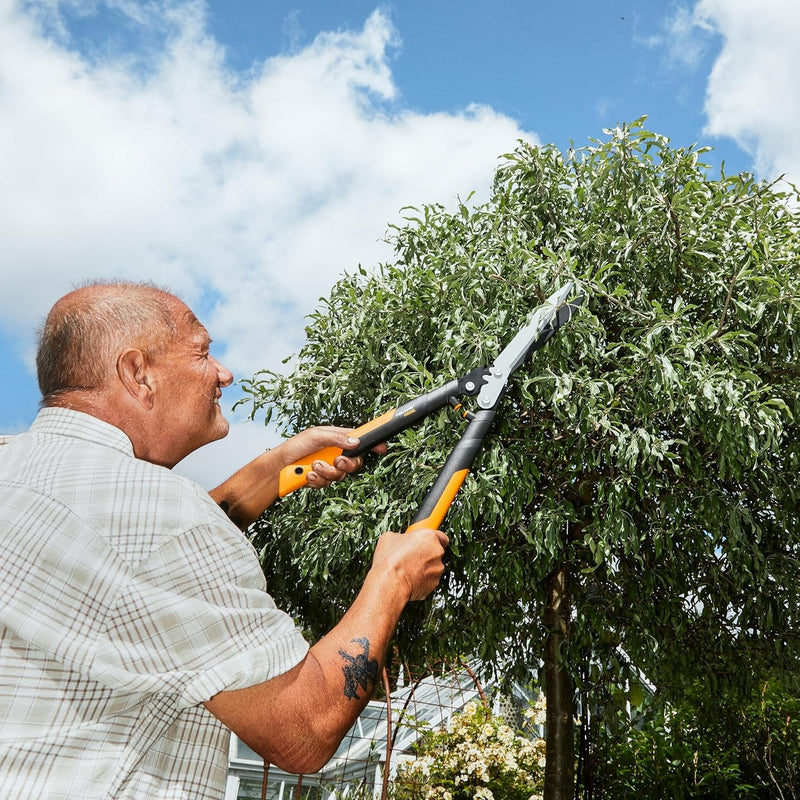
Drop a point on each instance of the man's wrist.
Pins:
(391, 583)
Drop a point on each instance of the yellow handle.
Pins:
(434, 519)
(294, 476)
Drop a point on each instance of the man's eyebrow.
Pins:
(202, 332)
(201, 340)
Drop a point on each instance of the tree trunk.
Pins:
(559, 771)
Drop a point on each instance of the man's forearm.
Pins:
(298, 719)
(249, 491)
(252, 489)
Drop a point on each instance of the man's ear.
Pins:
(133, 373)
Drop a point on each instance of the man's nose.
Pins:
(225, 375)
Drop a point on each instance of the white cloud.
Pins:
(685, 40)
(247, 193)
(752, 90)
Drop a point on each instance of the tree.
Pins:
(635, 507)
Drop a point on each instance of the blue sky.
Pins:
(246, 153)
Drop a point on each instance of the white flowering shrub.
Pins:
(478, 757)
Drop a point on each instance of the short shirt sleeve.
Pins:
(194, 619)
(191, 619)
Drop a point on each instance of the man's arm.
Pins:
(253, 488)
(298, 719)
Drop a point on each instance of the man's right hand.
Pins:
(253, 488)
(414, 558)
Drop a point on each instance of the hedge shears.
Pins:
(488, 384)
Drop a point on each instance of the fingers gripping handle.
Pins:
(295, 475)
(371, 433)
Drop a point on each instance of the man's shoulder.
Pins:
(171, 501)
(103, 483)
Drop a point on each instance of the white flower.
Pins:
(510, 762)
(505, 735)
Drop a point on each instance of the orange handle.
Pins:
(443, 503)
(295, 475)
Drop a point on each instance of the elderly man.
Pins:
(135, 627)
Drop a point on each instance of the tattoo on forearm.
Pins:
(359, 671)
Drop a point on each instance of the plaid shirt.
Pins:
(127, 598)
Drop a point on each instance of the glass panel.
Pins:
(250, 789)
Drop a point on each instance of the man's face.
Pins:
(189, 383)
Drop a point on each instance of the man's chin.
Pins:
(217, 429)
(221, 429)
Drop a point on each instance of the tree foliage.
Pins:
(708, 748)
(651, 445)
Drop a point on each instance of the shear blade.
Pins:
(544, 322)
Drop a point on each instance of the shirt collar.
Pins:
(78, 425)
